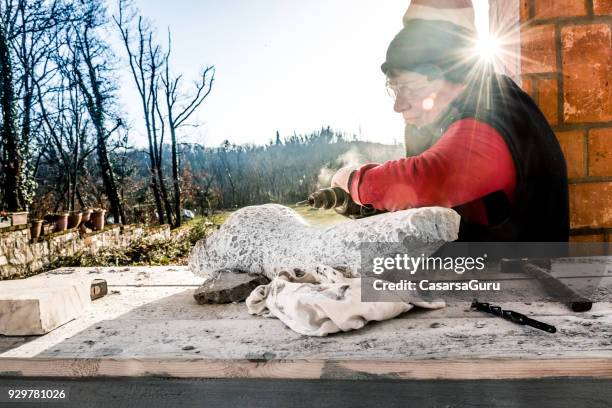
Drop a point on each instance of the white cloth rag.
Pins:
(319, 301)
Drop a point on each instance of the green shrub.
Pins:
(142, 251)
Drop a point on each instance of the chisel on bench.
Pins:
(539, 269)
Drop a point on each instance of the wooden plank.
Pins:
(473, 369)
(145, 304)
(261, 338)
(154, 308)
(149, 328)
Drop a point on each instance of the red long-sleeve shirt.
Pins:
(469, 161)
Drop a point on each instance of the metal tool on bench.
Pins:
(339, 200)
(512, 316)
(540, 270)
(98, 289)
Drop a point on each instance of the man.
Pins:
(475, 141)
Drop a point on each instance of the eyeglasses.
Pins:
(405, 89)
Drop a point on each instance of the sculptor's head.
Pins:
(429, 62)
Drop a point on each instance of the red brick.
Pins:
(527, 85)
(587, 57)
(559, 8)
(524, 10)
(591, 205)
(538, 50)
(602, 6)
(600, 152)
(548, 99)
(572, 144)
(588, 238)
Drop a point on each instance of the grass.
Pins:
(319, 217)
(314, 216)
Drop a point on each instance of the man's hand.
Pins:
(341, 178)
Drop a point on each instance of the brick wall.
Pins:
(566, 49)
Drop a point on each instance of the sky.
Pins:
(286, 65)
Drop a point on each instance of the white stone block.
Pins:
(38, 305)
(268, 238)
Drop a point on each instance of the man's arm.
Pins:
(470, 161)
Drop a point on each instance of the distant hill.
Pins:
(284, 171)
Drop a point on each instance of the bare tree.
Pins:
(179, 115)
(91, 56)
(148, 69)
(145, 60)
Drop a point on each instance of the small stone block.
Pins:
(227, 287)
(38, 305)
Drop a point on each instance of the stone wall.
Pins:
(20, 257)
(566, 48)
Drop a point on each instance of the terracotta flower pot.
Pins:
(97, 220)
(86, 215)
(35, 229)
(74, 219)
(61, 221)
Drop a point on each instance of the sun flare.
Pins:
(488, 48)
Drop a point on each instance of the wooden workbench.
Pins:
(150, 326)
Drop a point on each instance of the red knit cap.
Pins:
(459, 12)
(436, 33)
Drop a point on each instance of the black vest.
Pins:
(540, 212)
